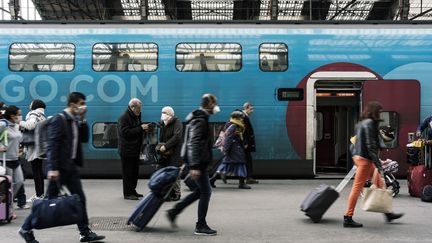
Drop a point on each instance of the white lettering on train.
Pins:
(109, 88)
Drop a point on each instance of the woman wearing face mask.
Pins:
(170, 138)
(12, 118)
(35, 116)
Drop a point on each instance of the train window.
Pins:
(273, 57)
(391, 118)
(41, 57)
(104, 135)
(125, 57)
(208, 57)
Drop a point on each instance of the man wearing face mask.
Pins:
(170, 138)
(131, 131)
(197, 154)
(66, 131)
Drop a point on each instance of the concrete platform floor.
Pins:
(269, 212)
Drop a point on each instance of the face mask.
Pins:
(81, 109)
(216, 109)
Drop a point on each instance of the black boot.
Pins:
(392, 216)
(350, 223)
(242, 184)
(213, 180)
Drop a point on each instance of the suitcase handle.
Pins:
(347, 178)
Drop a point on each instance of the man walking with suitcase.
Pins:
(66, 132)
(197, 154)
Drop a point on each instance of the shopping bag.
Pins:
(377, 200)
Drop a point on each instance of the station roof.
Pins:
(227, 10)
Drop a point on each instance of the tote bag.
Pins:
(377, 200)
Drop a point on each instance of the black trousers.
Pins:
(249, 166)
(38, 176)
(130, 171)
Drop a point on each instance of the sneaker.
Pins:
(25, 206)
(131, 197)
(204, 230)
(32, 198)
(90, 236)
(27, 236)
(171, 215)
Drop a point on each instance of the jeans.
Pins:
(203, 193)
(72, 181)
(18, 184)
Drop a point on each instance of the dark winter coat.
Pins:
(130, 134)
(60, 143)
(171, 135)
(233, 145)
(248, 135)
(197, 145)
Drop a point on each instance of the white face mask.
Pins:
(216, 109)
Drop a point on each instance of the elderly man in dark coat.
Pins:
(249, 141)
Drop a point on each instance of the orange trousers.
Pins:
(365, 170)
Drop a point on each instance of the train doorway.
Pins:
(338, 105)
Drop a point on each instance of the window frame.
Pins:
(73, 62)
(127, 71)
(259, 57)
(241, 57)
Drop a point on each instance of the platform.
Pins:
(269, 212)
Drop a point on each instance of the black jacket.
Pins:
(130, 134)
(248, 135)
(60, 139)
(367, 144)
(197, 145)
(171, 134)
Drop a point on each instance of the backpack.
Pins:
(41, 136)
(29, 135)
(220, 141)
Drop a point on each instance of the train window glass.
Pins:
(104, 135)
(125, 57)
(391, 118)
(208, 57)
(273, 57)
(41, 57)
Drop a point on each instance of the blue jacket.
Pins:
(60, 138)
(233, 145)
(427, 123)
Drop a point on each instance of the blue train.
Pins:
(308, 83)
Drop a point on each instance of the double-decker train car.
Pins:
(307, 82)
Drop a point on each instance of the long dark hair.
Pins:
(372, 111)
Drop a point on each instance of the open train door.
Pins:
(401, 110)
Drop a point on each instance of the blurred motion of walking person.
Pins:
(130, 131)
(170, 143)
(365, 155)
(197, 154)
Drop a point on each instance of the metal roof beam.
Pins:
(343, 9)
(170, 8)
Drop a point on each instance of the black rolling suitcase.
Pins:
(161, 183)
(321, 198)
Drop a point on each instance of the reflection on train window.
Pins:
(41, 57)
(216, 128)
(391, 118)
(208, 57)
(125, 57)
(273, 57)
(104, 135)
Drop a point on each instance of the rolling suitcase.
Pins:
(6, 204)
(321, 198)
(161, 183)
(420, 175)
